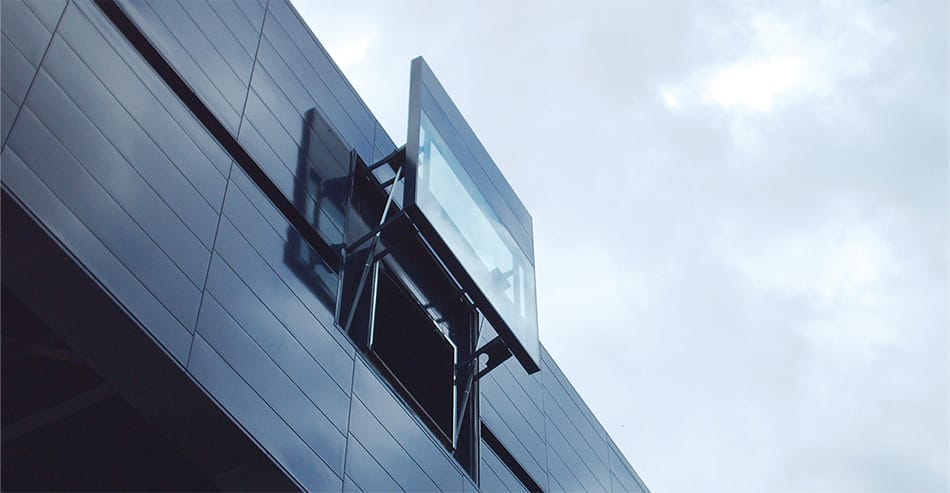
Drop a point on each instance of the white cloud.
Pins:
(837, 261)
(746, 202)
(348, 52)
(755, 85)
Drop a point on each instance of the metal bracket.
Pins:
(497, 353)
(398, 153)
(373, 232)
(371, 259)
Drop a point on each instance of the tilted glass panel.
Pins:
(464, 219)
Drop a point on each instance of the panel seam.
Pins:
(36, 73)
(224, 198)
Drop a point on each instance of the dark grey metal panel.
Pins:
(562, 391)
(123, 179)
(187, 181)
(468, 485)
(122, 74)
(274, 385)
(288, 152)
(574, 448)
(26, 32)
(314, 284)
(275, 282)
(267, 159)
(365, 472)
(24, 29)
(495, 475)
(521, 414)
(16, 72)
(490, 482)
(531, 459)
(554, 485)
(412, 436)
(200, 45)
(304, 87)
(383, 145)
(180, 42)
(47, 11)
(502, 409)
(509, 381)
(90, 251)
(275, 301)
(244, 30)
(293, 359)
(253, 11)
(574, 462)
(561, 472)
(349, 486)
(379, 443)
(259, 201)
(290, 116)
(321, 63)
(9, 110)
(221, 39)
(261, 325)
(76, 187)
(260, 421)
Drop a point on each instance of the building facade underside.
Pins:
(187, 191)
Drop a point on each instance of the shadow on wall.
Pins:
(321, 191)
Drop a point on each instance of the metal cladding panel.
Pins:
(366, 473)
(170, 27)
(9, 110)
(127, 177)
(72, 103)
(260, 420)
(275, 301)
(27, 30)
(412, 437)
(384, 448)
(323, 66)
(17, 72)
(309, 165)
(101, 213)
(306, 76)
(524, 393)
(284, 251)
(533, 460)
(149, 102)
(575, 439)
(82, 243)
(495, 475)
(273, 384)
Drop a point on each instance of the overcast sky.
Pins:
(740, 217)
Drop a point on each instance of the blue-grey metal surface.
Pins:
(130, 182)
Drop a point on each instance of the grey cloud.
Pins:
(770, 287)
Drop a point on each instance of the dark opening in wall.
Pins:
(418, 357)
(410, 317)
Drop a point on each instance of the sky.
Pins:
(740, 217)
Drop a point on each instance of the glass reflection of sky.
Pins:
(467, 223)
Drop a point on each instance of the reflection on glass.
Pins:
(453, 204)
(320, 194)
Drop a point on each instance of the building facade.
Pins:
(189, 210)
